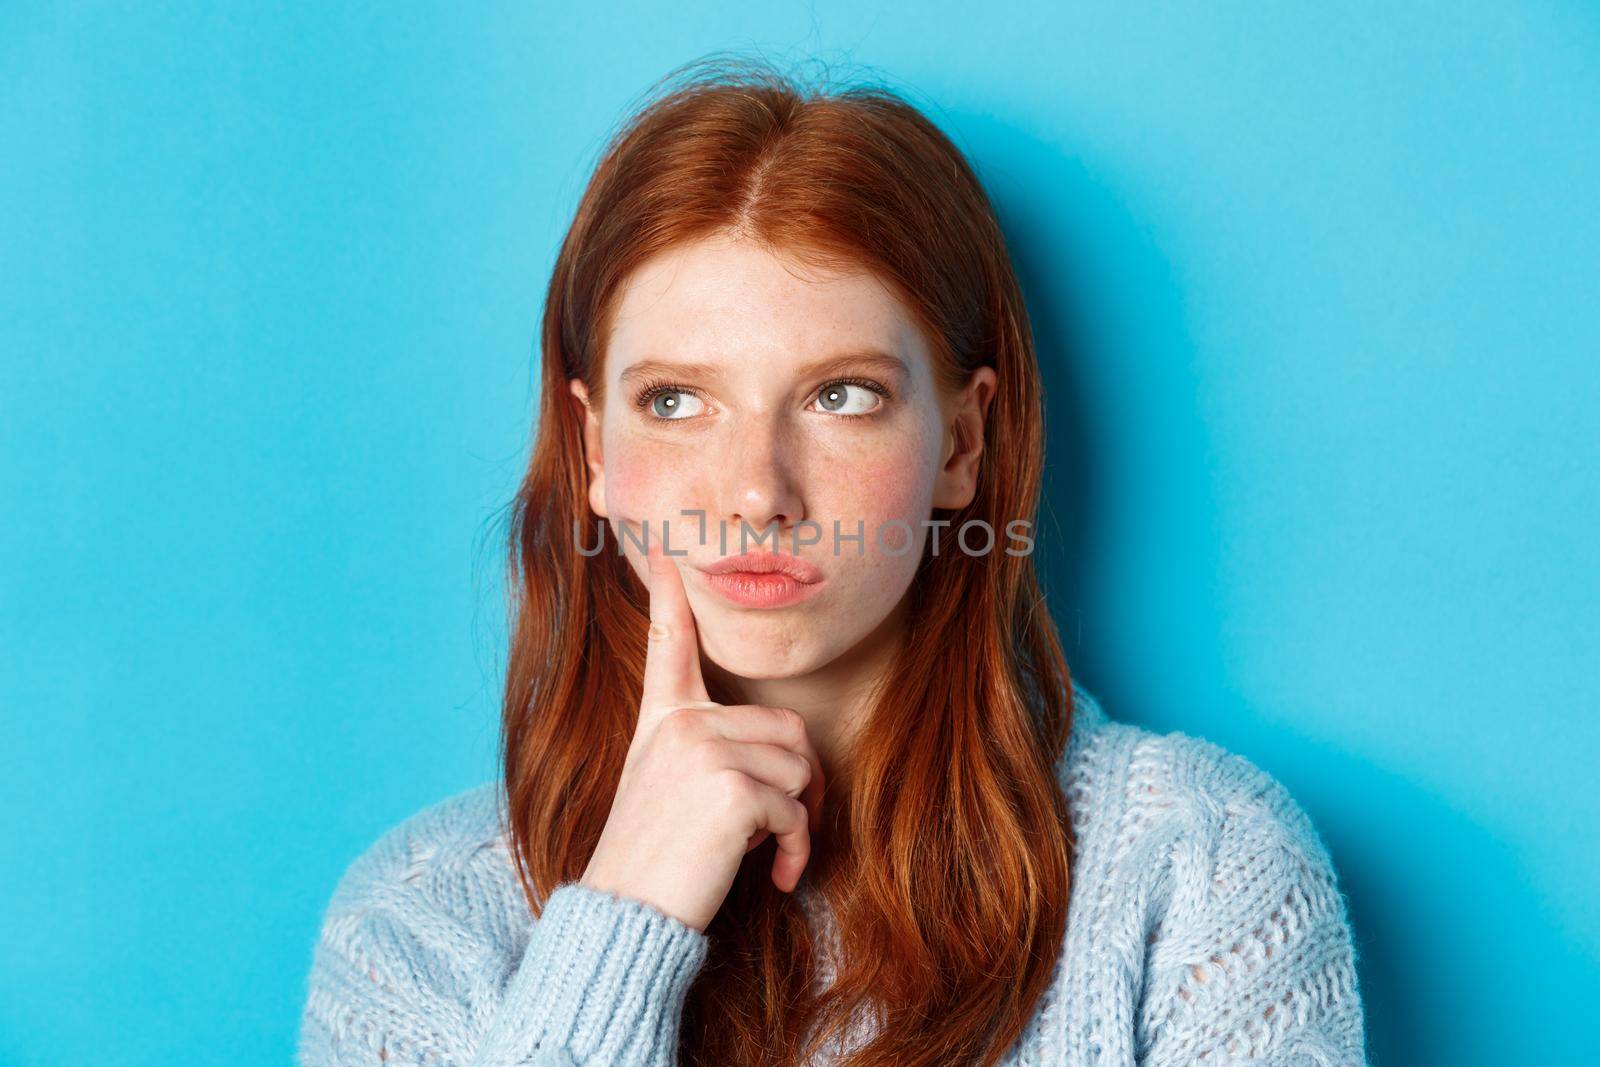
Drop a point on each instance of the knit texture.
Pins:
(1205, 926)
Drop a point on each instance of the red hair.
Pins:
(945, 852)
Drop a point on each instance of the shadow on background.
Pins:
(1444, 915)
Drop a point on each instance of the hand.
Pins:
(703, 783)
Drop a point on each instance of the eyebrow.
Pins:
(862, 359)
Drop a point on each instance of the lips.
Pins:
(800, 570)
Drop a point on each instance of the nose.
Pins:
(757, 484)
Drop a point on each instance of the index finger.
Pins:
(672, 651)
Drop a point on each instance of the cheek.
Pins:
(642, 482)
(890, 490)
(893, 481)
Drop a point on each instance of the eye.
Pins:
(669, 403)
(851, 396)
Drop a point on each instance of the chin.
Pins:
(750, 653)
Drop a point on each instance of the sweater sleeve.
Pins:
(1253, 961)
(396, 978)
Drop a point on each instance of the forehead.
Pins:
(726, 300)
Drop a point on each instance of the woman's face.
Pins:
(742, 399)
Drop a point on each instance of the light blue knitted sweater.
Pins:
(1205, 926)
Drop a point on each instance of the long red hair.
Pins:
(945, 853)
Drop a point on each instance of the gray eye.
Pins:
(836, 398)
(673, 404)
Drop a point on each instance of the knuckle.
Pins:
(736, 791)
(793, 723)
(712, 754)
(801, 771)
(682, 723)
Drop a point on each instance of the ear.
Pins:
(957, 482)
(592, 456)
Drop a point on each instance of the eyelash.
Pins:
(652, 389)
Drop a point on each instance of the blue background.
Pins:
(1315, 287)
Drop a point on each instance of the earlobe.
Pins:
(593, 459)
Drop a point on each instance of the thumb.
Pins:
(672, 651)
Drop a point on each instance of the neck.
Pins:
(836, 698)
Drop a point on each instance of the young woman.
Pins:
(793, 768)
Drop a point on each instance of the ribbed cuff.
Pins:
(604, 977)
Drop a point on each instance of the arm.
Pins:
(396, 978)
(1254, 962)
